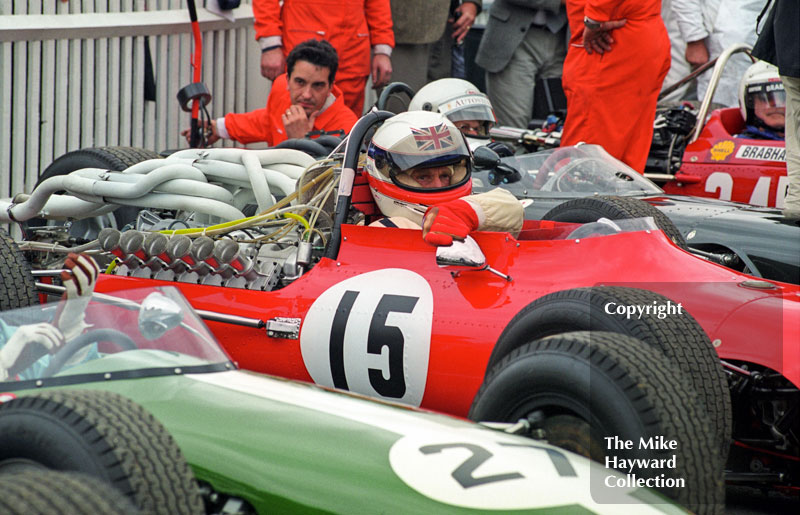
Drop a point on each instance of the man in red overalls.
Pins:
(618, 57)
(300, 101)
(355, 28)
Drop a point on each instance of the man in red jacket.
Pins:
(359, 30)
(302, 100)
(618, 57)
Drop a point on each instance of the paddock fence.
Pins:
(87, 73)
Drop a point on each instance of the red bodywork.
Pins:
(718, 165)
(469, 311)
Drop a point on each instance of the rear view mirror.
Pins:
(465, 253)
(485, 158)
(157, 315)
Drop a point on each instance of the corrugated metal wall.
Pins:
(73, 75)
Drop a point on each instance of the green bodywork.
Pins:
(283, 457)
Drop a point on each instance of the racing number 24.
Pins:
(379, 336)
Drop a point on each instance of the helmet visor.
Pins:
(440, 177)
(770, 94)
(472, 114)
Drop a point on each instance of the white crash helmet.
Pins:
(457, 99)
(760, 80)
(416, 139)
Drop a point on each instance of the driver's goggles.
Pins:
(771, 98)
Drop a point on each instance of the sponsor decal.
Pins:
(463, 101)
(761, 153)
(722, 150)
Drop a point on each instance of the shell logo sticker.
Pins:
(371, 334)
(722, 150)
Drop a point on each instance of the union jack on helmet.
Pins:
(409, 141)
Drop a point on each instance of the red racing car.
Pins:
(719, 165)
(486, 332)
(701, 156)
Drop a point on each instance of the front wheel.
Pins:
(678, 337)
(585, 388)
(591, 209)
(102, 434)
(40, 492)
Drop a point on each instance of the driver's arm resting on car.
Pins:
(496, 210)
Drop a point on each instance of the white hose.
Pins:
(147, 166)
(183, 174)
(266, 157)
(236, 174)
(288, 169)
(59, 207)
(76, 183)
(221, 210)
(151, 164)
(197, 186)
(258, 181)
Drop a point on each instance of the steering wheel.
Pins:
(394, 88)
(73, 346)
(566, 177)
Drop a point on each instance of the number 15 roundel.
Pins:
(371, 334)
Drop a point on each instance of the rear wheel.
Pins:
(102, 434)
(590, 209)
(585, 387)
(17, 287)
(108, 158)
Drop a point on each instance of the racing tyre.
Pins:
(102, 434)
(677, 336)
(109, 158)
(17, 287)
(584, 387)
(590, 209)
(48, 492)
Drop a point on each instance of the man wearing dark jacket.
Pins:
(525, 40)
(417, 24)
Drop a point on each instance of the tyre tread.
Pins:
(140, 456)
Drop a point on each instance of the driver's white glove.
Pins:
(21, 351)
(79, 287)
